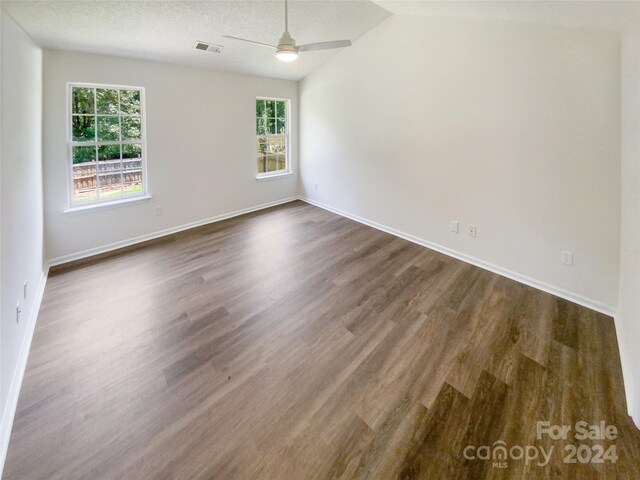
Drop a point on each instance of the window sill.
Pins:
(273, 175)
(106, 205)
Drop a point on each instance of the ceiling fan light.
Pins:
(286, 54)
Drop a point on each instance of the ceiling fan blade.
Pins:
(324, 45)
(249, 41)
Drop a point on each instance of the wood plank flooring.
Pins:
(292, 344)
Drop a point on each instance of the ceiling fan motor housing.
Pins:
(287, 43)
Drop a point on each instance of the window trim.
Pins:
(288, 170)
(107, 202)
(106, 205)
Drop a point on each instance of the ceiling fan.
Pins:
(286, 49)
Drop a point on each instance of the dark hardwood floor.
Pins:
(296, 344)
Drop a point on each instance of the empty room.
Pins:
(319, 239)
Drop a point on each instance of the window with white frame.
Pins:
(272, 136)
(106, 143)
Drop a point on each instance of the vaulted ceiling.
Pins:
(168, 30)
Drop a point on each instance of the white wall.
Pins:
(512, 127)
(628, 317)
(200, 148)
(21, 251)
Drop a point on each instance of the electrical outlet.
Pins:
(316, 187)
(157, 210)
(24, 290)
(18, 313)
(472, 230)
(566, 258)
(455, 226)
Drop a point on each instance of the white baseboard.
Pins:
(150, 236)
(18, 374)
(630, 384)
(567, 295)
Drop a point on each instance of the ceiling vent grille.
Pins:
(208, 47)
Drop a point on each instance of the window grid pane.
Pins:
(109, 120)
(271, 136)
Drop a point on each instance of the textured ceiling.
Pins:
(609, 14)
(167, 30)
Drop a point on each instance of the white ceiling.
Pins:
(609, 14)
(167, 30)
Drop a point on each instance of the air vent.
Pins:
(208, 47)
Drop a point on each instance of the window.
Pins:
(106, 143)
(272, 136)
